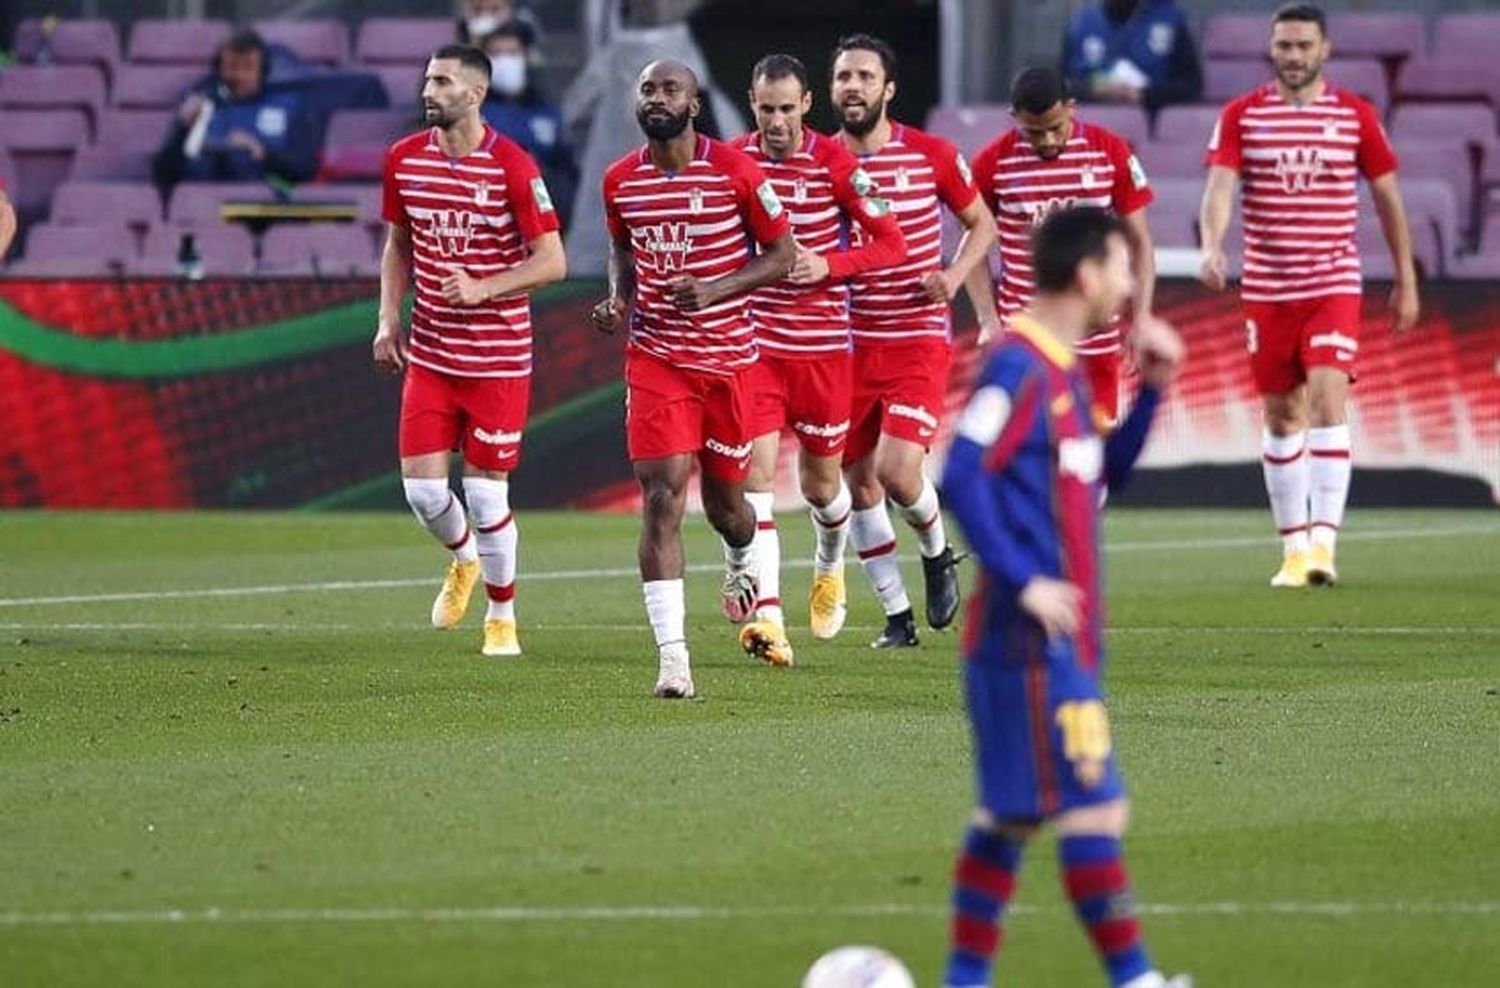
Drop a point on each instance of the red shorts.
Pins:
(1287, 339)
(899, 390)
(484, 416)
(1103, 372)
(811, 396)
(670, 411)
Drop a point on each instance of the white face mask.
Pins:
(481, 26)
(508, 73)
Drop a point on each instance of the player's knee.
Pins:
(902, 483)
(660, 500)
(428, 497)
(724, 506)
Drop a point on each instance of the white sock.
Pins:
(767, 556)
(874, 539)
(440, 512)
(926, 519)
(497, 536)
(666, 609)
(1330, 469)
(831, 523)
(739, 558)
(1283, 459)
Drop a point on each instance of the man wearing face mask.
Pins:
(478, 19)
(516, 108)
(1132, 51)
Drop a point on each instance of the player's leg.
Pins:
(765, 636)
(663, 482)
(820, 409)
(984, 882)
(1272, 331)
(429, 430)
(725, 460)
(1330, 346)
(495, 413)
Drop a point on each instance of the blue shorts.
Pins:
(1041, 734)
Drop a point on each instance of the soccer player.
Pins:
(802, 378)
(470, 226)
(682, 212)
(1050, 160)
(1299, 145)
(1023, 481)
(902, 346)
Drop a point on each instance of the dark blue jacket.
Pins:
(1155, 37)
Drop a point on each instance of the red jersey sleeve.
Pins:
(612, 219)
(529, 199)
(391, 208)
(855, 192)
(1374, 155)
(955, 180)
(1224, 147)
(1132, 189)
(763, 212)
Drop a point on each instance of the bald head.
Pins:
(666, 99)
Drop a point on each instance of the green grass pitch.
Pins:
(305, 786)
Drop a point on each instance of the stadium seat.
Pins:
(1426, 244)
(1364, 77)
(1173, 159)
(87, 40)
(1472, 122)
(86, 203)
(318, 39)
(95, 249)
(176, 41)
(1174, 214)
(1464, 35)
(198, 204)
(104, 163)
(970, 127)
(402, 39)
(1227, 78)
(1127, 121)
(41, 145)
(1237, 36)
(43, 87)
(402, 82)
(1188, 124)
(1446, 160)
(327, 249)
(1463, 77)
(1381, 35)
(356, 142)
(1484, 263)
(155, 86)
(133, 130)
(224, 250)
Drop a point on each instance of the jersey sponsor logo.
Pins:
(725, 450)
(1137, 173)
(863, 184)
(1338, 341)
(541, 195)
(964, 172)
(1041, 210)
(1252, 336)
(912, 412)
(830, 431)
(768, 200)
(1298, 167)
(1082, 458)
(496, 438)
(453, 229)
(666, 246)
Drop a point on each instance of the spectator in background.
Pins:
(516, 108)
(478, 19)
(234, 128)
(1132, 51)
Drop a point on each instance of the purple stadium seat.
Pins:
(1472, 122)
(155, 86)
(1375, 257)
(970, 127)
(133, 130)
(402, 81)
(92, 249)
(1127, 121)
(52, 87)
(1192, 125)
(1485, 263)
(225, 249)
(317, 39)
(1383, 35)
(1173, 159)
(1466, 35)
(1363, 77)
(1237, 36)
(1226, 78)
(198, 204)
(176, 41)
(329, 249)
(86, 40)
(101, 163)
(41, 145)
(83, 203)
(1447, 161)
(1443, 78)
(1174, 214)
(356, 141)
(402, 39)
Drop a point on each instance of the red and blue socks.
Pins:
(1093, 874)
(984, 879)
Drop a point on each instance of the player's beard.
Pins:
(662, 125)
(440, 116)
(1307, 76)
(861, 125)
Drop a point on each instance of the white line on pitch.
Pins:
(628, 571)
(572, 914)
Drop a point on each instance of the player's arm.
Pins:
(978, 240)
(1213, 221)
(7, 222)
(980, 285)
(1405, 303)
(610, 311)
(545, 264)
(1159, 352)
(884, 247)
(389, 346)
(772, 263)
(1142, 260)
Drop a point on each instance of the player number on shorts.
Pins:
(1085, 730)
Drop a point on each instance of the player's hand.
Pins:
(1057, 605)
(690, 293)
(940, 287)
(1158, 350)
(1406, 305)
(1215, 271)
(248, 141)
(989, 331)
(461, 289)
(389, 349)
(608, 314)
(808, 269)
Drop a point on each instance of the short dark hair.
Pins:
(1066, 239)
(1038, 89)
(868, 42)
(779, 66)
(1304, 12)
(468, 56)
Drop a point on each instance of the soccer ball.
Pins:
(858, 967)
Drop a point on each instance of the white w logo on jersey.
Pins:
(1041, 210)
(1297, 167)
(667, 246)
(452, 229)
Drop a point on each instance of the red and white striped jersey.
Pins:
(1095, 168)
(918, 174)
(823, 188)
(479, 213)
(1298, 166)
(705, 221)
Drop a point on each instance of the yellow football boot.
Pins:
(500, 637)
(827, 605)
(1293, 572)
(766, 641)
(1320, 571)
(453, 600)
